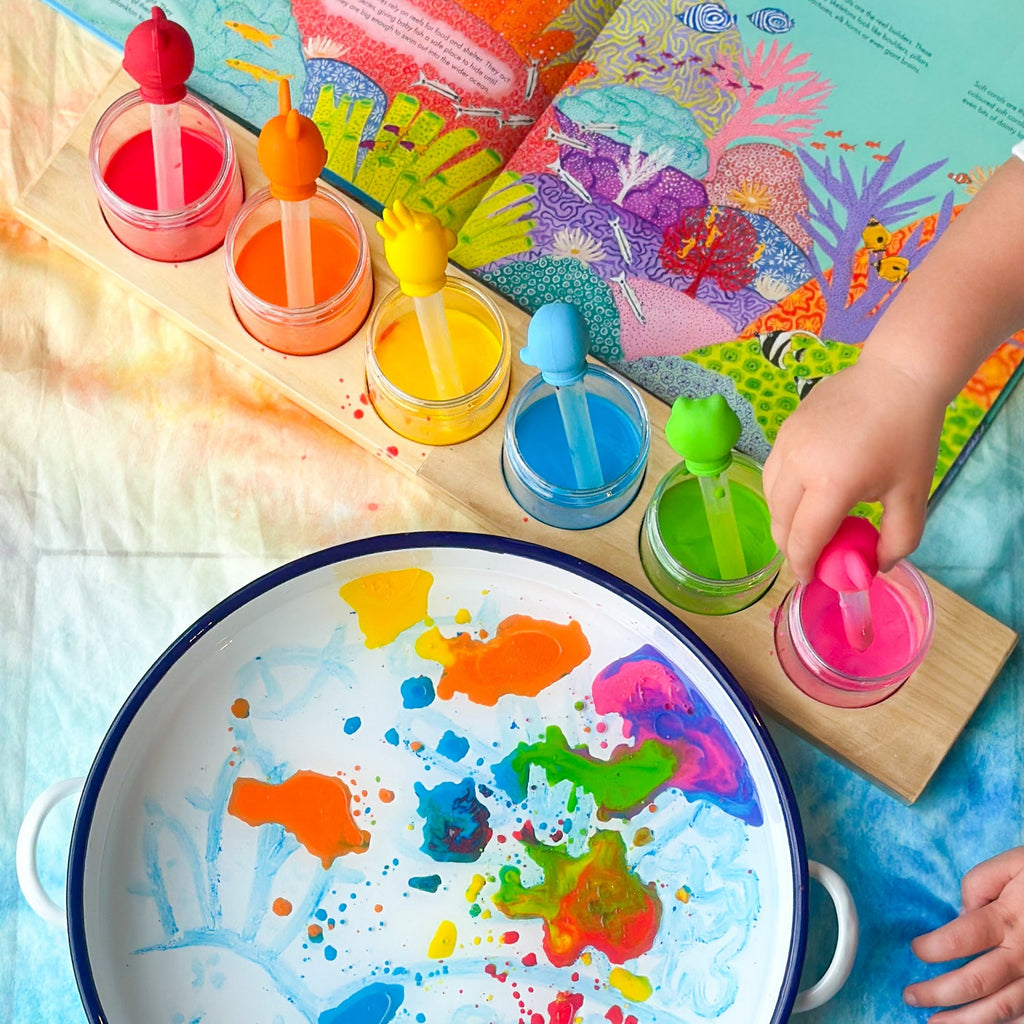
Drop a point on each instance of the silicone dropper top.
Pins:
(849, 561)
(291, 151)
(703, 431)
(159, 55)
(416, 248)
(557, 342)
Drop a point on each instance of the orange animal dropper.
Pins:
(159, 55)
(292, 154)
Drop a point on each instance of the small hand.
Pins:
(990, 988)
(416, 247)
(869, 433)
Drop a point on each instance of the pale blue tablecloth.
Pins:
(142, 480)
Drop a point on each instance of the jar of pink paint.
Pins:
(123, 175)
(816, 650)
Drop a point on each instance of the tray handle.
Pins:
(28, 842)
(846, 941)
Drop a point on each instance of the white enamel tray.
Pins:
(437, 778)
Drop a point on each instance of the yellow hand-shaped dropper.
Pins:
(416, 247)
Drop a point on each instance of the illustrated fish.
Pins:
(834, 135)
(598, 126)
(893, 268)
(625, 249)
(573, 184)
(756, 87)
(876, 237)
(706, 73)
(551, 135)
(259, 73)
(433, 85)
(251, 33)
(694, 59)
(776, 345)
(846, 145)
(771, 20)
(632, 76)
(642, 40)
(872, 145)
(960, 178)
(532, 78)
(631, 297)
(804, 385)
(462, 111)
(667, 54)
(880, 157)
(519, 121)
(658, 68)
(707, 17)
(817, 145)
(733, 84)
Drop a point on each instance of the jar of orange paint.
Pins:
(342, 278)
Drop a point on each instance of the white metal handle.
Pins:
(846, 941)
(28, 841)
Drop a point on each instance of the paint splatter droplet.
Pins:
(462, 616)
(643, 837)
(443, 942)
(281, 907)
(387, 603)
(315, 933)
(240, 708)
(376, 1004)
(385, 796)
(392, 737)
(634, 987)
(315, 808)
(352, 724)
(564, 1008)
(452, 746)
(684, 894)
(391, 450)
(417, 692)
(425, 883)
(475, 885)
(525, 656)
(456, 825)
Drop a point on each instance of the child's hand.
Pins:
(870, 433)
(990, 988)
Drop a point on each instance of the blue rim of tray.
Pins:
(410, 541)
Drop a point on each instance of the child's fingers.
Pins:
(783, 496)
(1002, 1007)
(901, 527)
(966, 935)
(981, 977)
(814, 523)
(983, 883)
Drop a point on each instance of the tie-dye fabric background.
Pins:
(142, 480)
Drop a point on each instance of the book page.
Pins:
(419, 100)
(733, 193)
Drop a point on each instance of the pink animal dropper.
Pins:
(848, 565)
(292, 154)
(158, 54)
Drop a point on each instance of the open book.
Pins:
(730, 193)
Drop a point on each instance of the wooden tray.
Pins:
(898, 743)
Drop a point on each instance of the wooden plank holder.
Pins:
(898, 744)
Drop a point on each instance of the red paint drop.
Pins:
(510, 937)
(358, 414)
(364, 399)
(530, 960)
(392, 450)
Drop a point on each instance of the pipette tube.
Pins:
(434, 328)
(855, 609)
(725, 535)
(167, 161)
(298, 255)
(579, 433)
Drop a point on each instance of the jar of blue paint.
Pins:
(541, 459)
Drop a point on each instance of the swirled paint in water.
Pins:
(620, 786)
(316, 809)
(388, 603)
(655, 703)
(456, 825)
(524, 656)
(592, 900)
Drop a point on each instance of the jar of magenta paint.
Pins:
(676, 548)
(342, 276)
(122, 169)
(399, 380)
(813, 649)
(537, 464)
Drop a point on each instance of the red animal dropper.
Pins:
(848, 564)
(292, 154)
(159, 55)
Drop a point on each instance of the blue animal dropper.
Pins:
(703, 431)
(557, 342)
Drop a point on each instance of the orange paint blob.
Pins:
(281, 907)
(315, 808)
(525, 656)
(240, 708)
(385, 796)
(260, 264)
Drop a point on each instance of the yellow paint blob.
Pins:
(474, 888)
(443, 942)
(388, 602)
(683, 895)
(632, 986)
(402, 356)
(462, 616)
(586, 958)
